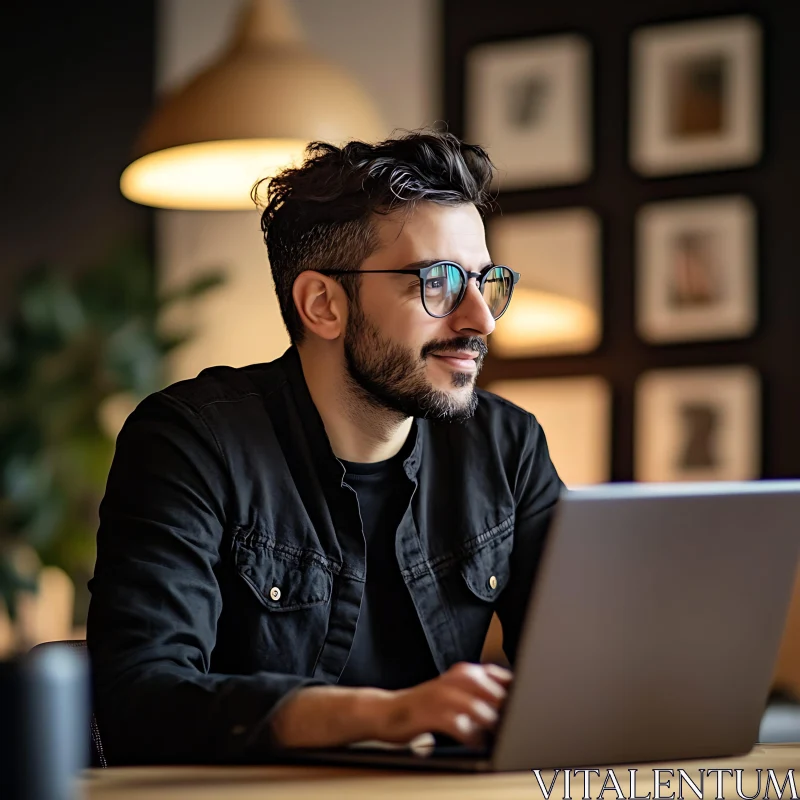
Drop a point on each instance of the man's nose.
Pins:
(473, 312)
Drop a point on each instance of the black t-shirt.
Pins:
(389, 649)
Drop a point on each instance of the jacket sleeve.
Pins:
(156, 601)
(537, 489)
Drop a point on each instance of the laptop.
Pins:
(651, 634)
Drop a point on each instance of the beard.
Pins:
(388, 376)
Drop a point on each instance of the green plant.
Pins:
(69, 345)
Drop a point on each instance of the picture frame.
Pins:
(696, 96)
(528, 102)
(696, 270)
(556, 308)
(698, 424)
(575, 415)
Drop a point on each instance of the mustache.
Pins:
(473, 343)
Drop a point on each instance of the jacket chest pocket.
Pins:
(288, 616)
(474, 580)
(486, 571)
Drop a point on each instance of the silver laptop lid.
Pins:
(654, 624)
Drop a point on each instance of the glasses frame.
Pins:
(424, 272)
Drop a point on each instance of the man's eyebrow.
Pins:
(428, 262)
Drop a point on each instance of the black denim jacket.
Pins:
(231, 560)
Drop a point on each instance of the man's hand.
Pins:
(463, 703)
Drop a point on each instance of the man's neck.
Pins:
(358, 430)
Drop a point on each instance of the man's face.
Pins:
(399, 356)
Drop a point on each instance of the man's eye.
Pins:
(434, 283)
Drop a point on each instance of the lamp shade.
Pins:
(247, 115)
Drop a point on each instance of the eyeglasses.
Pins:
(443, 285)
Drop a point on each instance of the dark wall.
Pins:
(77, 83)
(615, 192)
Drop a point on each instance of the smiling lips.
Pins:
(464, 360)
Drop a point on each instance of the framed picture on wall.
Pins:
(556, 307)
(696, 270)
(696, 96)
(528, 102)
(575, 414)
(698, 424)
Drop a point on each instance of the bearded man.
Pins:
(308, 552)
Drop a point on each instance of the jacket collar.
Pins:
(329, 466)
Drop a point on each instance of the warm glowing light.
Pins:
(537, 323)
(208, 175)
(245, 117)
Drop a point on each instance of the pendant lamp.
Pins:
(246, 116)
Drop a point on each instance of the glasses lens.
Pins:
(497, 289)
(442, 289)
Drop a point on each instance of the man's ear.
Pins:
(321, 303)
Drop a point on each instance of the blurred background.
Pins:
(647, 165)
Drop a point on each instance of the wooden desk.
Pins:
(312, 783)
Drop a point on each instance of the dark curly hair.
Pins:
(320, 215)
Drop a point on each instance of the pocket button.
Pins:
(493, 583)
(275, 593)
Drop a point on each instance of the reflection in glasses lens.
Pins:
(442, 289)
(497, 290)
